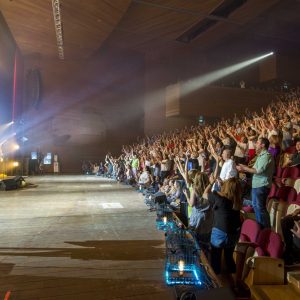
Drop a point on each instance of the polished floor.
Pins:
(79, 237)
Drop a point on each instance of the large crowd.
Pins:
(217, 170)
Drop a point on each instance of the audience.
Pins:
(208, 164)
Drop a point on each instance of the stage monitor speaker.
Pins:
(20, 181)
(9, 184)
(12, 183)
(160, 198)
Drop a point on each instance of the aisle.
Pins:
(79, 237)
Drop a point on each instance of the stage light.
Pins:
(181, 267)
(1, 159)
(15, 164)
(196, 83)
(5, 126)
(16, 147)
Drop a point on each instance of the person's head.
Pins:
(177, 185)
(274, 140)
(191, 175)
(298, 146)
(244, 140)
(232, 190)
(262, 144)
(194, 155)
(200, 183)
(219, 144)
(226, 154)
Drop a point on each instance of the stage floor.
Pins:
(79, 237)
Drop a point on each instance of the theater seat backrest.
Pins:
(291, 172)
(269, 244)
(249, 231)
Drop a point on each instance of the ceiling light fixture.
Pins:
(58, 28)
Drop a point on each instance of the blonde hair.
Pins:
(201, 181)
(232, 190)
(191, 174)
(274, 139)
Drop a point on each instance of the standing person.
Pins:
(262, 171)
(228, 170)
(226, 223)
(135, 165)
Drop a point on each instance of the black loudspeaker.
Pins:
(12, 183)
(8, 184)
(159, 198)
(20, 181)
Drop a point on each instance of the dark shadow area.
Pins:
(97, 250)
(66, 288)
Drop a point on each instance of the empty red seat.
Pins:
(290, 150)
(292, 196)
(283, 192)
(269, 243)
(291, 172)
(279, 172)
(273, 191)
(249, 231)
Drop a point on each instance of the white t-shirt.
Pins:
(240, 150)
(228, 170)
(144, 177)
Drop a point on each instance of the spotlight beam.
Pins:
(201, 81)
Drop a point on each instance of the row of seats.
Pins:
(258, 255)
(260, 267)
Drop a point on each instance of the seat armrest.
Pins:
(243, 246)
(265, 270)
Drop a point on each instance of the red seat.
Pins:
(283, 192)
(248, 209)
(273, 191)
(290, 150)
(269, 244)
(291, 172)
(292, 196)
(249, 231)
(279, 172)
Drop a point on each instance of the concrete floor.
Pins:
(79, 237)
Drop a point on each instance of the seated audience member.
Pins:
(174, 195)
(290, 226)
(145, 178)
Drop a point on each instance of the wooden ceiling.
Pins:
(132, 24)
(86, 25)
